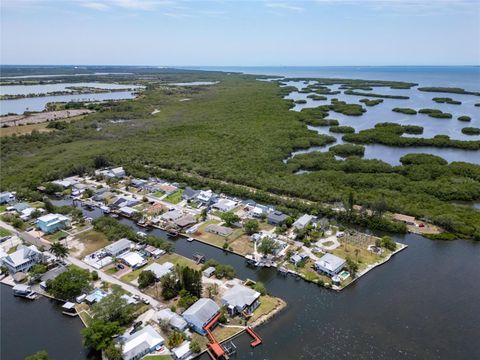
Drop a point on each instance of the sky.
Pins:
(240, 33)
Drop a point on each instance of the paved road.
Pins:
(108, 278)
(26, 236)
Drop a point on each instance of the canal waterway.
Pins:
(422, 304)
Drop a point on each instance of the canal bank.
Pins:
(422, 305)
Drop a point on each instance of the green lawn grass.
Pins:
(4, 232)
(175, 198)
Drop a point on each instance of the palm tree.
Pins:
(59, 250)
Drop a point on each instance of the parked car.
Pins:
(146, 301)
(120, 266)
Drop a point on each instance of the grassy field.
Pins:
(249, 116)
(178, 260)
(174, 198)
(56, 236)
(4, 232)
(92, 241)
(24, 129)
(267, 305)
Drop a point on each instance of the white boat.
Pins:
(190, 239)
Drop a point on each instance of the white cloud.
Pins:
(283, 6)
(96, 6)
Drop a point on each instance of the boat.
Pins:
(190, 239)
(69, 309)
(172, 232)
(24, 291)
(105, 209)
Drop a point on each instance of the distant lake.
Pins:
(46, 88)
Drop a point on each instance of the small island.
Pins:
(384, 96)
(435, 113)
(451, 90)
(446, 100)
(369, 102)
(345, 150)
(471, 131)
(464, 118)
(342, 129)
(406, 111)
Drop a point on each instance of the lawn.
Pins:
(358, 253)
(4, 232)
(242, 245)
(56, 236)
(3, 208)
(24, 129)
(267, 305)
(159, 193)
(134, 274)
(175, 198)
(178, 260)
(92, 241)
(12, 249)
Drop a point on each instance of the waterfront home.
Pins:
(182, 352)
(7, 197)
(185, 221)
(153, 252)
(127, 211)
(208, 272)
(218, 230)
(224, 205)
(141, 343)
(241, 300)
(303, 221)
(190, 194)
(174, 320)
(95, 296)
(26, 214)
(22, 259)
(52, 222)
(160, 270)
(200, 313)
(276, 218)
(118, 247)
(133, 259)
(172, 215)
(118, 173)
(330, 264)
(298, 258)
(24, 291)
(19, 207)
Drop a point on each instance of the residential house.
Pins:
(172, 215)
(7, 197)
(176, 321)
(224, 205)
(185, 221)
(160, 270)
(118, 247)
(141, 343)
(330, 264)
(190, 194)
(303, 221)
(52, 222)
(168, 188)
(200, 314)
(22, 259)
(206, 197)
(138, 183)
(241, 299)
(19, 207)
(133, 259)
(298, 258)
(127, 211)
(276, 218)
(153, 252)
(259, 211)
(208, 272)
(182, 352)
(219, 230)
(118, 173)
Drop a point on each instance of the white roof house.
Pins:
(22, 259)
(199, 314)
(240, 298)
(133, 259)
(330, 264)
(205, 196)
(160, 270)
(224, 205)
(303, 221)
(182, 352)
(127, 211)
(141, 343)
(175, 320)
(117, 172)
(118, 247)
(172, 215)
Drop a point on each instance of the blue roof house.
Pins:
(52, 222)
(199, 314)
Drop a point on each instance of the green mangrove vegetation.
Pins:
(464, 118)
(471, 131)
(369, 102)
(186, 143)
(406, 111)
(451, 90)
(383, 96)
(446, 100)
(391, 134)
(300, 101)
(435, 113)
(346, 150)
(342, 129)
(317, 97)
